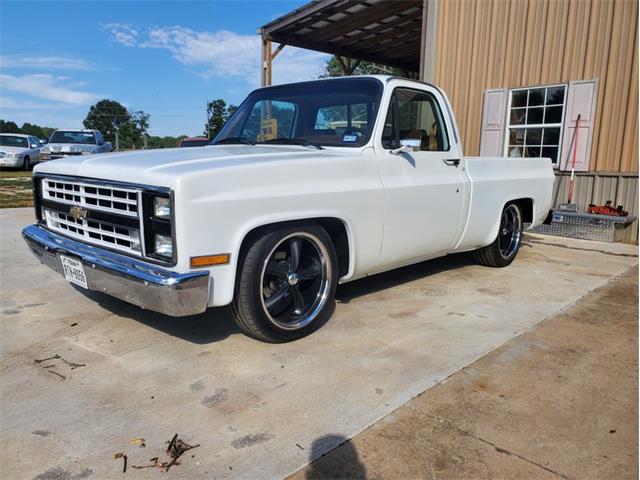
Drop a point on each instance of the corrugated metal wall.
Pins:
(502, 44)
(592, 187)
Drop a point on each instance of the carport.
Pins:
(394, 33)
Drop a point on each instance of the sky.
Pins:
(59, 57)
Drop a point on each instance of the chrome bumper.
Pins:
(142, 284)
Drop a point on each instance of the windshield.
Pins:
(12, 141)
(62, 136)
(339, 112)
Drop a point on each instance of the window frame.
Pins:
(507, 126)
(393, 104)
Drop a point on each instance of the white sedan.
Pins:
(18, 150)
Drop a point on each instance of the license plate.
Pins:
(73, 271)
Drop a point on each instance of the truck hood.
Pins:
(165, 167)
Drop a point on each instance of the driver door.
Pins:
(425, 186)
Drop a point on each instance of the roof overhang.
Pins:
(381, 31)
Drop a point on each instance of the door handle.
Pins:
(453, 162)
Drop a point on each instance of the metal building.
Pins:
(518, 74)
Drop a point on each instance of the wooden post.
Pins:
(265, 78)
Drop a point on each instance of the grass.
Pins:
(14, 173)
(15, 189)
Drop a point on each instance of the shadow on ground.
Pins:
(393, 278)
(216, 324)
(348, 465)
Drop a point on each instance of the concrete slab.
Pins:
(255, 409)
(559, 401)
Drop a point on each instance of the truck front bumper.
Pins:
(142, 284)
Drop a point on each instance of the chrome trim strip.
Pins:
(123, 277)
(106, 183)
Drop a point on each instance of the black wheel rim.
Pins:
(295, 281)
(510, 233)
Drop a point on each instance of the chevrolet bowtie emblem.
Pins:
(78, 213)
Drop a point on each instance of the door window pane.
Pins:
(518, 116)
(532, 152)
(519, 98)
(419, 118)
(555, 96)
(516, 137)
(534, 115)
(551, 136)
(536, 97)
(553, 115)
(534, 136)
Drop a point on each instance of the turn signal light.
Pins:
(209, 260)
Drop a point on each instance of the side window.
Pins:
(415, 115)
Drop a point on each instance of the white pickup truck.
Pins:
(66, 143)
(308, 185)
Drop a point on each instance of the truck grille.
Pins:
(97, 197)
(95, 232)
(109, 214)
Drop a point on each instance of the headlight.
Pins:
(162, 207)
(163, 245)
(45, 150)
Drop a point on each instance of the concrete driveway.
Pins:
(255, 410)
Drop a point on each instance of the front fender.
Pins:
(224, 277)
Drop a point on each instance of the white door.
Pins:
(424, 189)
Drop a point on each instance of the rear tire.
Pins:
(286, 284)
(505, 247)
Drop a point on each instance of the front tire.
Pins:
(26, 163)
(286, 284)
(505, 247)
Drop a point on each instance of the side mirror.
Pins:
(35, 145)
(407, 145)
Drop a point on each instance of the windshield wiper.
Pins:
(294, 141)
(233, 140)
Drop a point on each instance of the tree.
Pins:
(8, 127)
(218, 113)
(334, 69)
(164, 142)
(110, 117)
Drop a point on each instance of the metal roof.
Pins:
(381, 31)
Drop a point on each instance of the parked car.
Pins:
(18, 150)
(67, 143)
(280, 209)
(194, 142)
